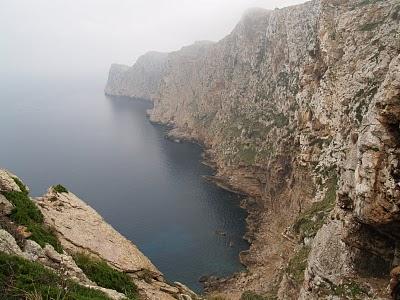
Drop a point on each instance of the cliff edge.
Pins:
(58, 246)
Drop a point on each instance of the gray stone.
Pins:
(5, 206)
(8, 244)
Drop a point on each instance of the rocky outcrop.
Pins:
(80, 229)
(7, 182)
(299, 108)
(60, 263)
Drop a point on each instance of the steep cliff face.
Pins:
(299, 108)
(141, 80)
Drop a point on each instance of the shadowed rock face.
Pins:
(299, 108)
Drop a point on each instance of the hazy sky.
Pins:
(66, 37)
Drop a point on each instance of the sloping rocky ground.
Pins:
(299, 108)
(55, 229)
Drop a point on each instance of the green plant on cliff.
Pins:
(21, 186)
(367, 2)
(26, 213)
(60, 189)
(251, 296)
(298, 264)
(280, 120)
(23, 279)
(311, 220)
(350, 290)
(101, 273)
(247, 154)
(370, 26)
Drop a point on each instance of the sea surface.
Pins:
(105, 150)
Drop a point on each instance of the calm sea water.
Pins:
(106, 151)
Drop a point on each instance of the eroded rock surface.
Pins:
(7, 182)
(81, 228)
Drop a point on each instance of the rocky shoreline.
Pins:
(213, 284)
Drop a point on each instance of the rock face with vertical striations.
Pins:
(299, 108)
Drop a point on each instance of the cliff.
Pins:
(299, 108)
(141, 80)
(82, 255)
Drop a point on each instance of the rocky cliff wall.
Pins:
(299, 108)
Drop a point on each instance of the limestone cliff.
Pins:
(141, 80)
(299, 108)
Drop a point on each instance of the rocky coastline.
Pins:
(299, 109)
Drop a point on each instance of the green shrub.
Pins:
(251, 296)
(247, 154)
(367, 2)
(43, 235)
(102, 274)
(20, 185)
(60, 189)
(350, 290)
(311, 220)
(298, 264)
(280, 120)
(22, 279)
(370, 26)
(26, 213)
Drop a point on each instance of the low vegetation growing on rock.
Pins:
(298, 264)
(311, 220)
(252, 296)
(102, 274)
(60, 189)
(26, 213)
(23, 279)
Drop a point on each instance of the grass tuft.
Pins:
(251, 296)
(60, 189)
(102, 274)
(23, 279)
(298, 264)
(311, 220)
(26, 213)
(21, 185)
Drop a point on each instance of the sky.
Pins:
(65, 38)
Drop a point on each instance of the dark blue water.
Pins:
(106, 151)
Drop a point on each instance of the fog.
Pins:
(74, 39)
